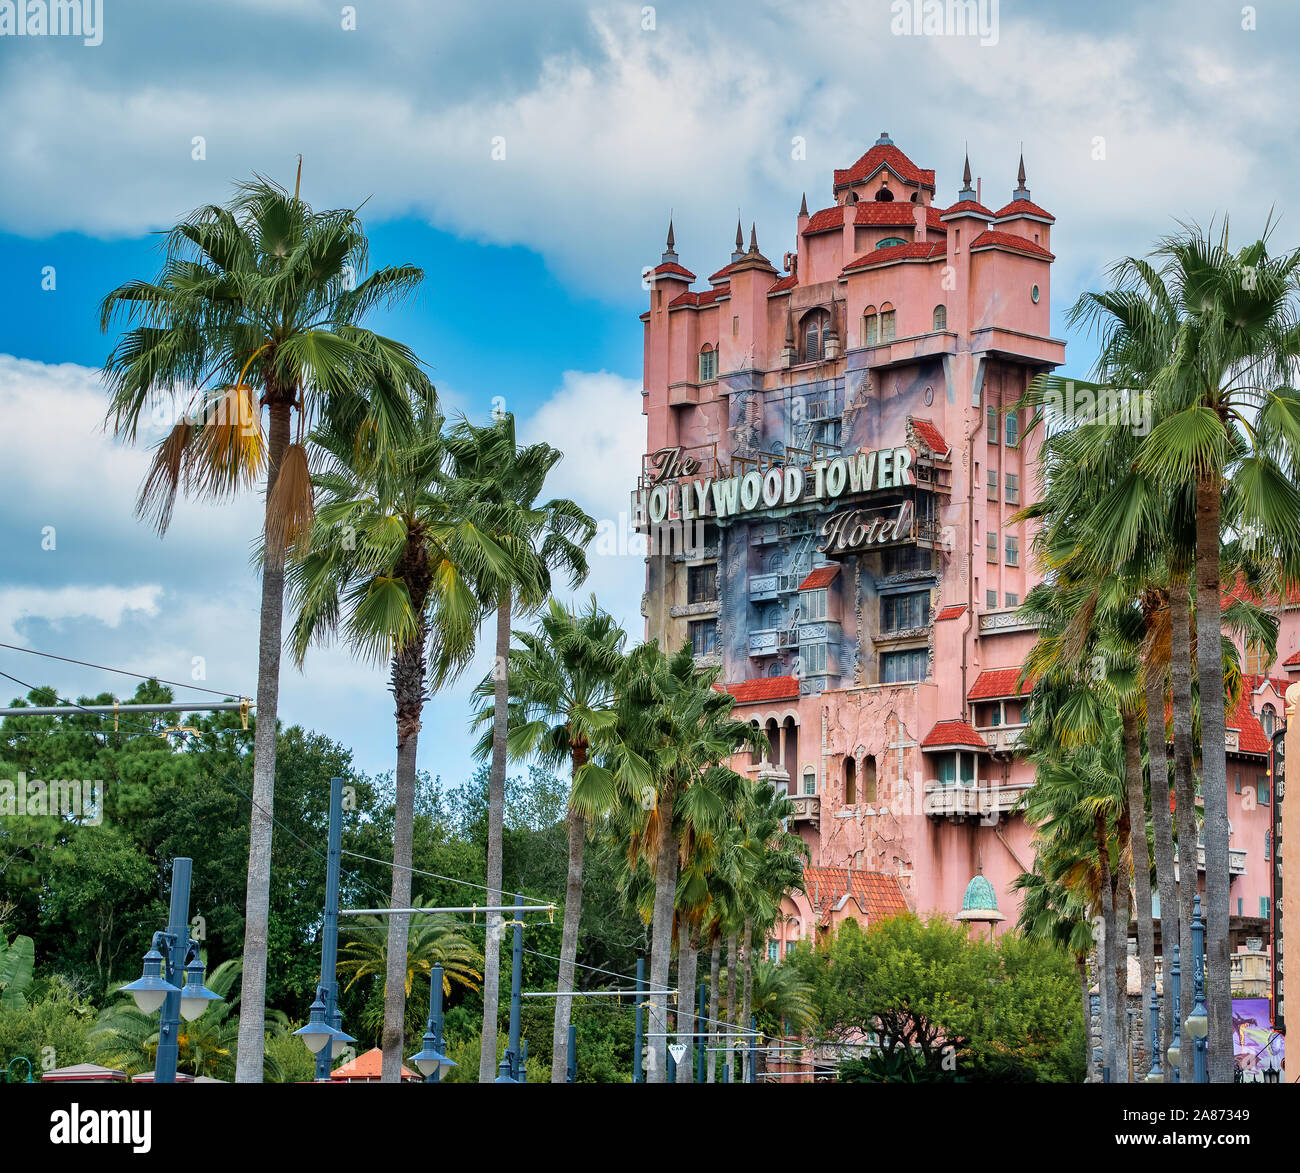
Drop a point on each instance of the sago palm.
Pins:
(258, 307)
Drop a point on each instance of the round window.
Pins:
(929, 396)
(1034, 294)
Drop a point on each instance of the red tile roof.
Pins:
(1239, 590)
(962, 207)
(822, 576)
(708, 297)
(931, 435)
(787, 282)
(721, 273)
(998, 684)
(874, 213)
(1023, 208)
(947, 734)
(912, 251)
(670, 268)
(1251, 738)
(369, 1066)
(878, 894)
(889, 156)
(956, 611)
(766, 688)
(1292, 662)
(1022, 244)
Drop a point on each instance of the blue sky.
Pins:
(610, 115)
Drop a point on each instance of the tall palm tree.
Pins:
(536, 538)
(392, 563)
(435, 939)
(561, 687)
(257, 306)
(681, 726)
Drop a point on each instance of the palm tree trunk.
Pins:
(487, 1063)
(747, 952)
(1141, 859)
(1123, 885)
(661, 940)
(569, 938)
(733, 958)
(1106, 951)
(1162, 818)
(257, 904)
(688, 958)
(715, 964)
(1180, 675)
(1214, 778)
(408, 691)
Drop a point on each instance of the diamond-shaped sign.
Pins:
(677, 1050)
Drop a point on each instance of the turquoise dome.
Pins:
(980, 896)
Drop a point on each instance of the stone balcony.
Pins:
(978, 801)
(1236, 860)
(1002, 738)
(998, 622)
(763, 587)
(807, 808)
(769, 641)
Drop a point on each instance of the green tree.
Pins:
(258, 305)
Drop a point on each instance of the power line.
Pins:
(120, 671)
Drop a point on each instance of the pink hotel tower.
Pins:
(833, 464)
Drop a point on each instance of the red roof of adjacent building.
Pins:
(676, 270)
(931, 435)
(911, 251)
(993, 239)
(766, 688)
(822, 576)
(789, 281)
(1292, 662)
(887, 155)
(874, 213)
(1251, 738)
(878, 894)
(1023, 208)
(956, 611)
(947, 734)
(968, 206)
(369, 1066)
(998, 684)
(706, 298)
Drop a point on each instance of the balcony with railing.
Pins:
(957, 801)
(1236, 860)
(1002, 738)
(807, 808)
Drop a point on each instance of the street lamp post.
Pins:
(637, 1075)
(1175, 1052)
(430, 1060)
(571, 1069)
(511, 1065)
(173, 953)
(1198, 1024)
(1154, 1075)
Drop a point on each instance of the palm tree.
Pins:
(257, 306)
(393, 561)
(561, 687)
(536, 538)
(782, 1001)
(681, 726)
(435, 939)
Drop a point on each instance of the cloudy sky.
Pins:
(527, 156)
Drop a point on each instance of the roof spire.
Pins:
(1021, 192)
(803, 205)
(789, 325)
(670, 253)
(884, 140)
(753, 237)
(967, 192)
(740, 240)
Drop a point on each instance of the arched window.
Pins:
(868, 779)
(816, 326)
(887, 328)
(941, 317)
(776, 669)
(809, 780)
(850, 781)
(1268, 718)
(884, 196)
(890, 241)
(870, 326)
(708, 364)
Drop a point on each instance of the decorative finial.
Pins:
(803, 205)
(670, 228)
(753, 237)
(670, 252)
(1021, 192)
(884, 140)
(739, 250)
(967, 192)
(789, 325)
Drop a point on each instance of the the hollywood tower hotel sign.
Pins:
(832, 482)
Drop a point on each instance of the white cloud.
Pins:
(108, 605)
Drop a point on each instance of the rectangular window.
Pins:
(948, 769)
(903, 667)
(887, 326)
(1239, 902)
(1261, 790)
(1013, 551)
(1013, 600)
(813, 659)
(1268, 845)
(791, 947)
(991, 415)
(991, 542)
(904, 612)
(1013, 429)
(771, 951)
(1263, 907)
(708, 366)
(991, 600)
(704, 636)
(1237, 782)
(967, 768)
(813, 604)
(702, 583)
(1013, 488)
(993, 484)
(870, 330)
